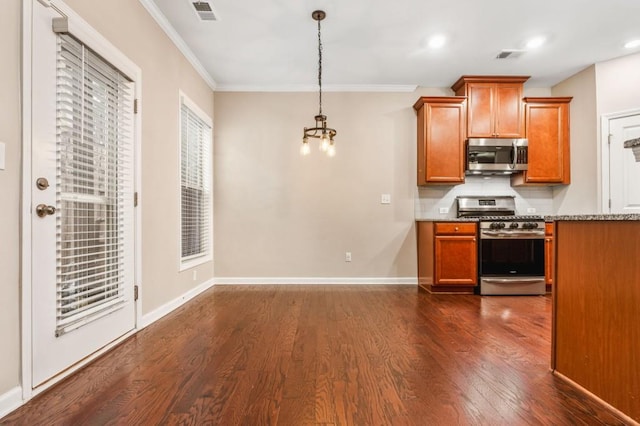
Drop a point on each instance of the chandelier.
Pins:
(320, 130)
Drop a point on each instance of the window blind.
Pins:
(195, 185)
(94, 184)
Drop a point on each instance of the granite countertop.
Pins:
(447, 219)
(632, 143)
(603, 217)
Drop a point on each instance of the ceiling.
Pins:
(271, 45)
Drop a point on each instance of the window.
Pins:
(195, 185)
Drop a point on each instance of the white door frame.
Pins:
(604, 155)
(97, 42)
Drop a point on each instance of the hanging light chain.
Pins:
(319, 69)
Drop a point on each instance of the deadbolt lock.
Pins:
(43, 210)
(42, 183)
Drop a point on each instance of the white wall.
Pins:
(618, 84)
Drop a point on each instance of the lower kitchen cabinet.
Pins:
(447, 256)
(548, 254)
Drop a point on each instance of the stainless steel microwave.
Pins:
(496, 156)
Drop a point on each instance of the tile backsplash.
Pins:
(429, 200)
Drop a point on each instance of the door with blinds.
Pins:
(82, 199)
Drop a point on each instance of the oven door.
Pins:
(512, 265)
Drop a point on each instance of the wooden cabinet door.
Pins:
(441, 135)
(547, 124)
(508, 111)
(456, 260)
(480, 121)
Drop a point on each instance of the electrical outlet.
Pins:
(385, 199)
(195, 275)
(531, 210)
(444, 210)
(347, 256)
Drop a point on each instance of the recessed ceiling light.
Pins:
(436, 42)
(632, 44)
(535, 42)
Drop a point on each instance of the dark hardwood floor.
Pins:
(330, 355)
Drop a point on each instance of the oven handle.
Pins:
(511, 280)
(533, 235)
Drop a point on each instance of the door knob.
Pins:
(43, 210)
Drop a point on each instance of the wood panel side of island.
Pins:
(596, 319)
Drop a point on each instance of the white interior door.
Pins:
(82, 200)
(624, 171)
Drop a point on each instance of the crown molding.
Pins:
(162, 20)
(389, 88)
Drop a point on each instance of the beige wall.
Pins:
(603, 88)
(165, 71)
(10, 134)
(582, 195)
(278, 214)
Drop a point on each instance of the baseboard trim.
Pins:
(624, 416)
(170, 306)
(317, 280)
(10, 400)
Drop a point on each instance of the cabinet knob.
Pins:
(456, 229)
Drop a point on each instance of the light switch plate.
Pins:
(444, 210)
(531, 210)
(385, 199)
(2, 156)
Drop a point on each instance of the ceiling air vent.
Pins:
(205, 10)
(509, 54)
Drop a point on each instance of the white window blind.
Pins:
(195, 165)
(94, 192)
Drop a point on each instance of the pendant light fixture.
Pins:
(320, 130)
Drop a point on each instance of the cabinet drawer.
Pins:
(455, 228)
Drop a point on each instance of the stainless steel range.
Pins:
(511, 249)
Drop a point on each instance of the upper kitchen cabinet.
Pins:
(495, 108)
(547, 129)
(441, 135)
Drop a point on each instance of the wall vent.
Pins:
(205, 10)
(510, 54)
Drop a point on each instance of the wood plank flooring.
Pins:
(327, 355)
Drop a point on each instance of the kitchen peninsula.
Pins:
(596, 315)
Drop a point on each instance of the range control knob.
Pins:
(497, 225)
(530, 225)
(514, 225)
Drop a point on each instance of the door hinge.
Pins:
(609, 203)
(609, 139)
(135, 199)
(135, 292)
(135, 106)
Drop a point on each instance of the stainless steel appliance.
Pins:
(511, 248)
(496, 156)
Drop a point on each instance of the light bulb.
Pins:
(305, 149)
(331, 150)
(324, 142)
